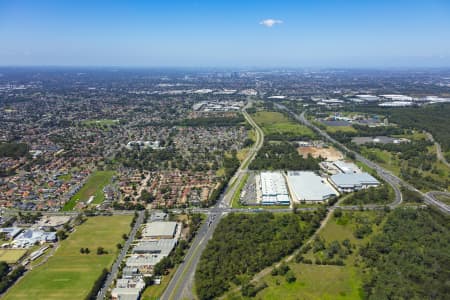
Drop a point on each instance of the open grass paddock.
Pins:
(277, 123)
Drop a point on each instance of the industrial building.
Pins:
(272, 189)
(144, 262)
(310, 187)
(346, 167)
(349, 182)
(161, 246)
(30, 237)
(126, 293)
(368, 98)
(160, 230)
(159, 238)
(11, 232)
(360, 140)
(394, 97)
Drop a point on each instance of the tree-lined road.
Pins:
(439, 154)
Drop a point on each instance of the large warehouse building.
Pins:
(349, 182)
(346, 167)
(273, 189)
(310, 187)
(160, 230)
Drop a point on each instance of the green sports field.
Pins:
(69, 274)
(11, 256)
(93, 187)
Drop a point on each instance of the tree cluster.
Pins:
(409, 259)
(230, 165)
(244, 244)
(250, 290)
(373, 195)
(7, 280)
(28, 218)
(411, 196)
(432, 118)
(421, 181)
(128, 206)
(85, 250)
(147, 159)
(282, 156)
(14, 150)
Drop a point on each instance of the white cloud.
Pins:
(270, 22)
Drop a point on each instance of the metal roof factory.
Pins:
(349, 182)
(272, 188)
(308, 186)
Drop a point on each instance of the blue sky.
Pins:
(339, 33)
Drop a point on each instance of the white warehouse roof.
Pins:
(161, 246)
(346, 167)
(273, 188)
(160, 229)
(309, 186)
(353, 180)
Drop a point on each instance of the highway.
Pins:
(439, 154)
(181, 285)
(433, 194)
(115, 267)
(390, 178)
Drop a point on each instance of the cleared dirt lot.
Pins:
(330, 154)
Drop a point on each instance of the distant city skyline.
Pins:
(295, 34)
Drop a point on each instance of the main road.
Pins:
(439, 154)
(390, 178)
(181, 285)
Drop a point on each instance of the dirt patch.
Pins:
(330, 154)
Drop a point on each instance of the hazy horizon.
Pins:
(253, 34)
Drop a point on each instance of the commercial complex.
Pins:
(30, 237)
(310, 187)
(346, 167)
(11, 232)
(161, 247)
(272, 189)
(160, 230)
(349, 182)
(159, 238)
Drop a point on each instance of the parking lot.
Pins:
(248, 194)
